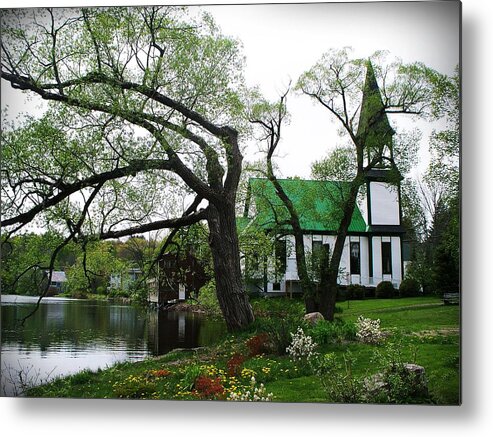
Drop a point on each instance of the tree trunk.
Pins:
(330, 270)
(328, 297)
(307, 285)
(223, 241)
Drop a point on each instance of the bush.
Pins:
(302, 346)
(338, 379)
(368, 330)
(138, 292)
(209, 388)
(409, 288)
(280, 330)
(116, 292)
(208, 298)
(278, 307)
(325, 332)
(356, 292)
(396, 384)
(370, 292)
(385, 290)
(258, 344)
(234, 364)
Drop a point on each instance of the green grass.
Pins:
(406, 314)
(426, 331)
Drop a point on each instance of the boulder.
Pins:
(313, 318)
(412, 374)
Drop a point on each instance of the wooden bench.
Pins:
(451, 298)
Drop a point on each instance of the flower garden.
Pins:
(362, 357)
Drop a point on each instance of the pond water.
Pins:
(68, 335)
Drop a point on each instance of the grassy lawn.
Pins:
(424, 330)
(406, 314)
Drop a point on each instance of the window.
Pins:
(280, 253)
(316, 254)
(386, 258)
(355, 259)
(316, 247)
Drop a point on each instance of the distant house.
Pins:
(57, 283)
(123, 281)
(177, 279)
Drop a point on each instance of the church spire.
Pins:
(374, 128)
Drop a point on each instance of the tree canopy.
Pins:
(145, 103)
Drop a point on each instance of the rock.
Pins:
(313, 318)
(412, 375)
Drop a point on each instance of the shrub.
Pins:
(191, 373)
(370, 292)
(385, 290)
(338, 380)
(397, 383)
(116, 292)
(258, 344)
(208, 298)
(278, 307)
(234, 364)
(138, 292)
(209, 388)
(302, 346)
(368, 330)
(325, 332)
(409, 288)
(356, 292)
(279, 331)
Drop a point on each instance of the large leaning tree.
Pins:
(140, 131)
(359, 95)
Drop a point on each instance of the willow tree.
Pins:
(144, 108)
(349, 90)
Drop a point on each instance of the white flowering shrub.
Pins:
(368, 330)
(255, 394)
(302, 346)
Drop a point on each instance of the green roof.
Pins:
(318, 203)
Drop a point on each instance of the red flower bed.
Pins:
(208, 388)
(234, 364)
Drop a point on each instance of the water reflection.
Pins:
(65, 336)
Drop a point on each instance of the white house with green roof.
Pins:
(373, 250)
(373, 247)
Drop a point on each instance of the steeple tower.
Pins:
(383, 177)
(382, 212)
(374, 129)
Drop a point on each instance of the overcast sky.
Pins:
(281, 41)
